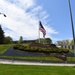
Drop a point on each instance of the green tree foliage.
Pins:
(71, 43)
(42, 40)
(48, 41)
(59, 43)
(1, 35)
(20, 40)
(65, 43)
(8, 40)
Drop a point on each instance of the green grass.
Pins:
(71, 59)
(51, 58)
(71, 50)
(47, 58)
(35, 70)
(4, 47)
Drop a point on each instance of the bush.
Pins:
(65, 50)
(38, 49)
(43, 50)
(34, 49)
(16, 46)
(52, 45)
(26, 48)
(21, 47)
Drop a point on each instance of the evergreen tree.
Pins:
(20, 40)
(1, 35)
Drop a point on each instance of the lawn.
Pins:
(4, 47)
(71, 59)
(35, 70)
(36, 58)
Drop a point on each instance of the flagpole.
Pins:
(44, 40)
(72, 24)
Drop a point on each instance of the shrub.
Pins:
(34, 49)
(16, 46)
(65, 50)
(26, 48)
(40, 49)
(21, 47)
(44, 50)
(52, 45)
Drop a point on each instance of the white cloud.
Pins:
(22, 18)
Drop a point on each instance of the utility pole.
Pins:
(72, 24)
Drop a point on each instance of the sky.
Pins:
(23, 18)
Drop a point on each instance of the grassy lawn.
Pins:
(71, 50)
(47, 58)
(71, 59)
(4, 47)
(35, 70)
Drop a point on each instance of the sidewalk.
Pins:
(15, 62)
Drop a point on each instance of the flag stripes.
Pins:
(41, 28)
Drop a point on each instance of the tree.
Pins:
(20, 40)
(8, 40)
(67, 42)
(64, 43)
(48, 41)
(59, 43)
(71, 43)
(1, 35)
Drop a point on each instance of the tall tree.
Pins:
(20, 40)
(67, 42)
(71, 43)
(8, 40)
(1, 35)
(48, 41)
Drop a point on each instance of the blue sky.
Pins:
(58, 11)
(23, 16)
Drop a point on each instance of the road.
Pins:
(16, 62)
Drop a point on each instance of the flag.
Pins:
(41, 28)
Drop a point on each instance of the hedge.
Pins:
(41, 50)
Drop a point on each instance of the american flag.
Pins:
(41, 28)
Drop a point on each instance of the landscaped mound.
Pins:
(40, 48)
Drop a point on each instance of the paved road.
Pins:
(15, 62)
